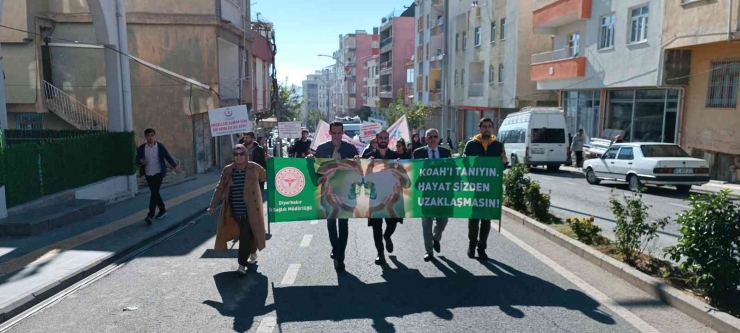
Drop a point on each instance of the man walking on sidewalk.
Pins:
(151, 157)
(433, 151)
(336, 149)
(577, 147)
(483, 144)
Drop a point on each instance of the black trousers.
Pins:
(377, 225)
(338, 238)
(247, 245)
(473, 228)
(155, 200)
(579, 159)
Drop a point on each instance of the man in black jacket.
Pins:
(150, 158)
(483, 144)
(254, 150)
(301, 146)
(432, 235)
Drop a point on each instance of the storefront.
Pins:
(470, 117)
(582, 110)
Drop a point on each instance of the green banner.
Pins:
(305, 189)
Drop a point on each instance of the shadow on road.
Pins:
(406, 292)
(242, 297)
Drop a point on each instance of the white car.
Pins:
(647, 163)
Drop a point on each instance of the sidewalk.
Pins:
(709, 188)
(35, 268)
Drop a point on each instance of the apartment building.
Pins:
(490, 43)
(56, 74)
(316, 91)
(428, 57)
(605, 63)
(702, 58)
(354, 50)
(396, 46)
(371, 80)
(262, 62)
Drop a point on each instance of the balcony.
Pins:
(556, 65)
(476, 89)
(386, 21)
(386, 67)
(386, 44)
(550, 14)
(439, 5)
(386, 91)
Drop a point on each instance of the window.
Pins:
(606, 38)
(456, 75)
(464, 40)
(493, 32)
(29, 122)
(663, 151)
(490, 73)
(457, 42)
(548, 135)
(611, 153)
(574, 44)
(462, 77)
(477, 36)
(513, 136)
(503, 29)
(626, 154)
(723, 84)
(639, 24)
(501, 73)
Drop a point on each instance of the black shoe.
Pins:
(380, 260)
(482, 254)
(428, 257)
(437, 246)
(471, 251)
(388, 244)
(149, 220)
(161, 215)
(338, 266)
(331, 255)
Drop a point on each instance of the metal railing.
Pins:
(475, 89)
(72, 110)
(386, 88)
(386, 65)
(550, 56)
(386, 42)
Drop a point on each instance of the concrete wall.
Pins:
(140, 6)
(50, 120)
(228, 60)
(713, 129)
(14, 15)
(625, 65)
(364, 52)
(527, 44)
(701, 22)
(20, 72)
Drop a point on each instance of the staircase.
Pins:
(72, 110)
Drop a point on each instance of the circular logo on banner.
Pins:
(228, 113)
(290, 182)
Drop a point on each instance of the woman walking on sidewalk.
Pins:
(242, 213)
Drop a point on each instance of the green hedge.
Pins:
(67, 164)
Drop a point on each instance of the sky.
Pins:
(305, 28)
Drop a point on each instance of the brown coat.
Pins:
(228, 228)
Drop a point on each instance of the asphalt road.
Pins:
(572, 196)
(182, 285)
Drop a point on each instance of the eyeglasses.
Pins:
(432, 136)
(240, 154)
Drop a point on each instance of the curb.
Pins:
(701, 312)
(145, 190)
(27, 301)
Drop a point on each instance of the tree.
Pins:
(416, 115)
(365, 112)
(313, 119)
(289, 102)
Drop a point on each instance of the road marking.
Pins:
(547, 178)
(267, 325)
(570, 183)
(598, 189)
(52, 250)
(291, 274)
(315, 222)
(679, 205)
(306, 240)
(597, 295)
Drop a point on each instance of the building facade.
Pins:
(316, 91)
(261, 67)
(605, 63)
(55, 74)
(702, 58)
(371, 80)
(354, 50)
(431, 27)
(396, 46)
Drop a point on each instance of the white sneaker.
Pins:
(253, 258)
(242, 270)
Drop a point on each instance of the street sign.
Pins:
(369, 130)
(230, 120)
(289, 129)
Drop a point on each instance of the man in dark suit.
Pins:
(432, 237)
(336, 149)
(483, 144)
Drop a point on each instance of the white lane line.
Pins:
(291, 274)
(315, 222)
(679, 205)
(267, 325)
(597, 295)
(570, 183)
(306, 240)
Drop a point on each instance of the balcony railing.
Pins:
(386, 65)
(554, 55)
(476, 89)
(440, 21)
(386, 88)
(386, 42)
(557, 65)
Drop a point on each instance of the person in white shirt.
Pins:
(151, 158)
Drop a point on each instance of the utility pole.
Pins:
(445, 63)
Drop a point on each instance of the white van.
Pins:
(536, 136)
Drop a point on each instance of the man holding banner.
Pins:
(336, 149)
(433, 151)
(485, 145)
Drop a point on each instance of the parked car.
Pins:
(647, 163)
(536, 136)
